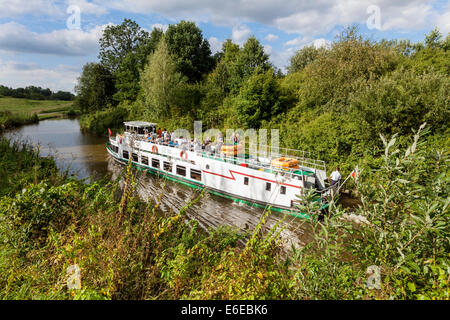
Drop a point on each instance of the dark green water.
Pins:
(83, 154)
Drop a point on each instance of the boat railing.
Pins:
(256, 165)
(260, 156)
(304, 157)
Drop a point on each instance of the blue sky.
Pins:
(38, 48)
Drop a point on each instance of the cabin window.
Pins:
(155, 163)
(268, 186)
(246, 181)
(167, 166)
(181, 171)
(144, 160)
(207, 167)
(126, 155)
(135, 157)
(283, 190)
(196, 175)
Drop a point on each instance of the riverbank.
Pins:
(125, 248)
(15, 112)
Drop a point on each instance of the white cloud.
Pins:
(442, 21)
(15, 37)
(215, 44)
(16, 8)
(88, 7)
(298, 42)
(240, 33)
(61, 77)
(293, 16)
(406, 18)
(163, 27)
(268, 49)
(280, 58)
(55, 8)
(321, 42)
(271, 37)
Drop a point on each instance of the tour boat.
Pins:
(260, 181)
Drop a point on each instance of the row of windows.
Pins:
(181, 171)
(114, 148)
(268, 186)
(167, 166)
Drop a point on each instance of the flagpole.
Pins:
(350, 175)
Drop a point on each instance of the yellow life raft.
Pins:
(285, 163)
(232, 150)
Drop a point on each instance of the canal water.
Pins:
(84, 155)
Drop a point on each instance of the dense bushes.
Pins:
(127, 249)
(9, 120)
(100, 121)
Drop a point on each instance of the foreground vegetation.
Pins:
(127, 249)
(354, 102)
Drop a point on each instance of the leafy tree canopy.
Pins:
(95, 87)
(190, 50)
(118, 41)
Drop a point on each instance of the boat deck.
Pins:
(307, 166)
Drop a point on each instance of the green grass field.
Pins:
(15, 112)
(15, 106)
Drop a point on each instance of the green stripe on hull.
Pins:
(171, 177)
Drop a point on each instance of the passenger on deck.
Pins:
(236, 139)
(197, 146)
(159, 133)
(166, 136)
(335, 177)
(219, 144)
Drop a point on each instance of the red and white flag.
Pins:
(355, 174)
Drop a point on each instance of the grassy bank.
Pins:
(15, 112)
(127, 249)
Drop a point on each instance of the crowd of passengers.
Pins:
(164, 137)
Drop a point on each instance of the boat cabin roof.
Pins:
(140, 124)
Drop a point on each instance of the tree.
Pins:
(190, 51)
(118, 41)
(95, 87)
(304, 57)
(128, 73)
(251, 58)
(159, 82)
(62, 95)
(434, 54)
(260, 99)
(400, 102)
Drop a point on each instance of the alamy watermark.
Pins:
(73, 22)
(374, 279)
(73, 277)
(258, 140)
(374, 20)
